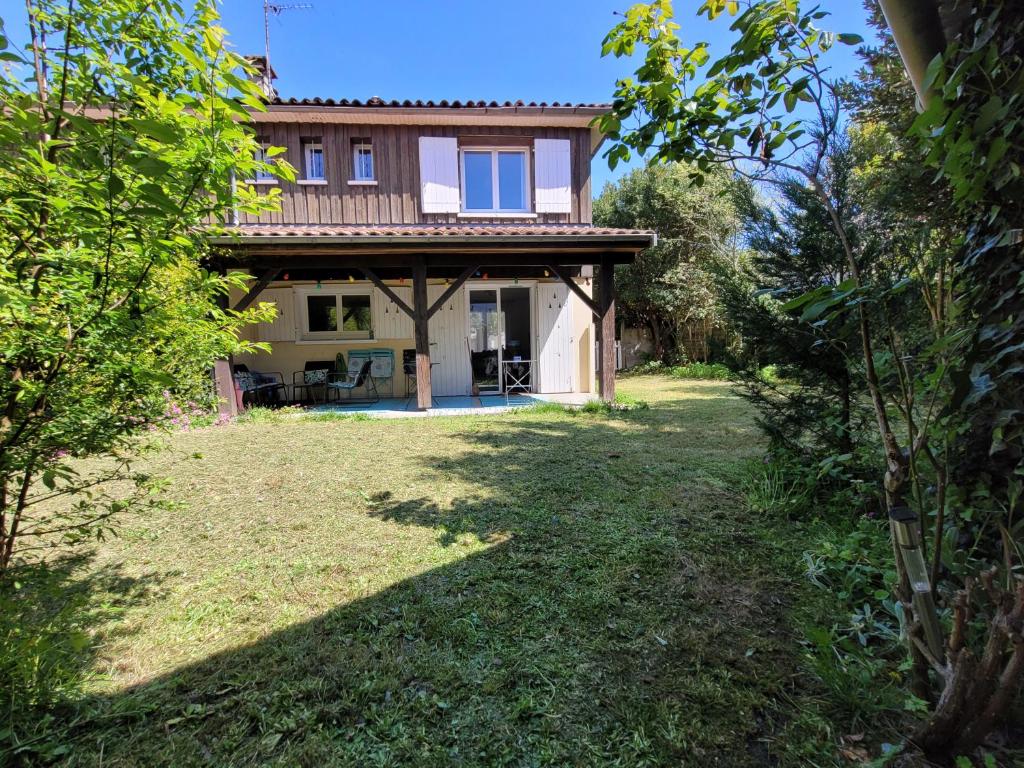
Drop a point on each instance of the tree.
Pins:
(748, 114)
(812, 409)
(668, 289)
(115, 153)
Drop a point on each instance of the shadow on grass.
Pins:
(624, 614)
(51, 613)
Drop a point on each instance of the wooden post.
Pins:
(224, 384)
(421, 321)
(606, 382)
(223, 380)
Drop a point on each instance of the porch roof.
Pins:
(405, 239)
(452, 233)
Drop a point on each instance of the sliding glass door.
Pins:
(500, 333)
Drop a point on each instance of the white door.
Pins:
(449, 331)
(557, 359)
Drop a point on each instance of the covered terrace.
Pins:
(455, 253)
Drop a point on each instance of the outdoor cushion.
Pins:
(245, 381)
(315, 377)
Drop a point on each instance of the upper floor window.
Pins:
(362, 160)
(262, 155)
(495, 180)
(313, 160)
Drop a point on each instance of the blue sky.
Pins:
(534, 50)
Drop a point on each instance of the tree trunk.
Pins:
(656, 339)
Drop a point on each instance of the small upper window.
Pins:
(262, 155)
(495, 180)
(362, 160)
(313, 158)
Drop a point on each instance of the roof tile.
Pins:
(428, 230)
(378, 102)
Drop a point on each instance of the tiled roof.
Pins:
(433, 230)
(376, 101)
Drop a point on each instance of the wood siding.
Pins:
(395, 199)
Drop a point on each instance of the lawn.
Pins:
(533, 588)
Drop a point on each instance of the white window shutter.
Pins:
(439, 174)
(554, 175)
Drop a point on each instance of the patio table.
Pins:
(516, 374)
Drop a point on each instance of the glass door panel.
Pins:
(485, 339)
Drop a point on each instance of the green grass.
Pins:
(532, 588)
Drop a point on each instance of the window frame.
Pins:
(338, 292)
(263, 177)
(357, 145)
(494, 152)
(308, 146)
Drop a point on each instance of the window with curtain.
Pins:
(362, 160)
(313, 158)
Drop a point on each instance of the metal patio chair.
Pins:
(409, 369)
(348, 383)
(312, 380)
(261, 387)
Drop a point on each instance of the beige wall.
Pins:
(289, 357)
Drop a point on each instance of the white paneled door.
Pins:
(557, 361)
(449, 330)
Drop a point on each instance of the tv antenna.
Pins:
(277, 9)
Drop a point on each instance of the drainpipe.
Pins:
(917, 29)
(234, 199)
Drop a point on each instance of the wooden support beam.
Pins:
(606, 382)
(575, 288)
(421, 321)
(451, 289)
(372, 277)
(224, 384)
(262, 282)
(223, 381)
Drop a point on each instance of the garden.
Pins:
(803, 548)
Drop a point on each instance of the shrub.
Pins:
(714, 371)
(780, 488)
(854, 640)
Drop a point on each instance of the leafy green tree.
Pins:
(124, 122)
(766, 109)
(669, 288)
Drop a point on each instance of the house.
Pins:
(460, 230)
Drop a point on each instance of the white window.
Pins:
(362, 160)
(262, 155)
(335, 313)
(495, 180)
(313, 157)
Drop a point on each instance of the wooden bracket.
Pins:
(450, 290)
(262, 282)
(565, 278)
(372, 277)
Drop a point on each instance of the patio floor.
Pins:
(401, 407)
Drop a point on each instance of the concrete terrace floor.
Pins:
(403, 407)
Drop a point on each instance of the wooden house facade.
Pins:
(460, 230)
